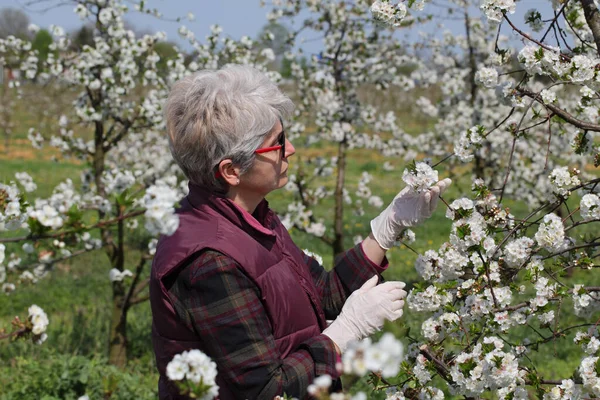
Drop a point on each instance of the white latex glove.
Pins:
(407, 209)
(366, 310)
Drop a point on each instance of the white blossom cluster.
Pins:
(487, 77)
(485, 367)
(518, 251)
(495, 9)
(421, 177)
(442, 266)
(114, 275)
(551, 233)
(117, 182)
(584, 302)
(39, 321)
(319, 388)
(590, 207)
(387, 13)
(196, 367)
(26, 181)
(430, 299)
(534, 19)
(160, 214)
(11, 217)
(587, 370)
(469, 140)
(439, 326)
(384, 356)
(562, 179)
(565, 391)
(300, 217)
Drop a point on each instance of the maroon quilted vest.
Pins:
(266, 253)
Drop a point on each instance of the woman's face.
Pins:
(269, 171)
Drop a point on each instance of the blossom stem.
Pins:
(440, 367)
(101, 224)
(16, 333)
(528, 37)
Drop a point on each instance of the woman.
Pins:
(230, 281)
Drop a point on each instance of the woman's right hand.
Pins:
(366, 310)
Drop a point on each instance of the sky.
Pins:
(237, 17)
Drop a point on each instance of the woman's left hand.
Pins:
(407, 209)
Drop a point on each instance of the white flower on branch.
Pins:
(565, 391)
(420, 176)
(517, 251)
(117, 181)
(425, 106)
(548, 96)
(584, 303)
(582, 68)
(590, 207)
(551, 233)
(587, 371)
(561, 179)
(26, 181)
(390, 15)
(488, 77)
(384, 356)
(114, 275)
(8, 288)
(495, 9)
(196, 367)
(160, 214)
(46, 215)
(35, 138)
(431, 299)
(39, 320)
(320, 385)
(534, 19)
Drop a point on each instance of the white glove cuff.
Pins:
(378, 233)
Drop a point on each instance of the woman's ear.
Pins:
(229, 173)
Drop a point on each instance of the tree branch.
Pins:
(101, 224)
(562, 113)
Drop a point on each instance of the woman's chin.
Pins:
(283, 179)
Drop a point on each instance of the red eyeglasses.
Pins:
(280, 145)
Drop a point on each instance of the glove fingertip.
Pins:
(443, 184)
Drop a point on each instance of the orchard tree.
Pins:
(355, 55)
(115, 127)
(13, 22)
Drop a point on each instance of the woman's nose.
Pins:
(290, 150)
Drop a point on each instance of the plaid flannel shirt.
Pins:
(212, 290)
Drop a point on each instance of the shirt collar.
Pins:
(259, 220)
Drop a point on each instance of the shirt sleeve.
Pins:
(352, 269)
(215, 298)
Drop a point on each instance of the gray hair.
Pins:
(213, 115)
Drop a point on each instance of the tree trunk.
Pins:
(592, 16)
(479, 169)
(117, 353)
(117, 342)
(338, 228)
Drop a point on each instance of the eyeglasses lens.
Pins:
(282, 143)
